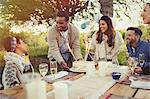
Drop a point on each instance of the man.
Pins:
(146, 14)
(15, 64)
(64, 43)
(136, 47)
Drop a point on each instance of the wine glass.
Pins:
(53, 67)
(43, 69)
(141, 59)
(132, 63)
(135, 61)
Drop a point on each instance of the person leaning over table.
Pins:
(15, 64)
(62, 36)
(106, 41)
(136, 46)
(146, 14)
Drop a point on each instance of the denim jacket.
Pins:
(143, 47)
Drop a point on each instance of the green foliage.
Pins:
(23, 9)
(40, 51)
(122, 58)
(1, 58)
(43, 9)
(123, 32)
(146, 32)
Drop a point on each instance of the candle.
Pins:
(60, 90)
(35, 90)
(102, 68)
(90, 70)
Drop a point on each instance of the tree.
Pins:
(106, 7)
(43, 9)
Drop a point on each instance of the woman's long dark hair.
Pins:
(109, 32)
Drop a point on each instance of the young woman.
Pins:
(106, 41)
(146, 14)
(14, 61)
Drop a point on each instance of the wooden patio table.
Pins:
(118, 90)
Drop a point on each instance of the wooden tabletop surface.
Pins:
(117, 89)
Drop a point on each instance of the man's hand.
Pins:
(64, 65)
(138, 70)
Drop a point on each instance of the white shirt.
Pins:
(64, 34)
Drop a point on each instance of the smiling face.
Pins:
(146, 14)
(61, 24)
(21, 46)
(131, 37)
(103, 26)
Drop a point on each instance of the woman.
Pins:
(106, 41)
(15, 62)
(146, 14)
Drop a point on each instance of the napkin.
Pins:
(139, 83)
(60, 74)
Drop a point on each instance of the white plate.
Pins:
(80, 70)
(80, 66)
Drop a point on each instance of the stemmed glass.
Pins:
(53, 67)
(132, 63)
(141, 59)
(43, 69)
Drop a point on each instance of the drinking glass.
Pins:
(132, 63)
(53, 67)
(29, 77)
(43, 69)
(135, 61)
(141, 59)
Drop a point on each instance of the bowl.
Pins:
(116, 75)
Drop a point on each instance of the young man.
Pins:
(136, 47)
(63, 40)
(146, 14)
(15, 63)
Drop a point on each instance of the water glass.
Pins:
(43, 69)
(136, 61)
(53, 67)
(29, 77)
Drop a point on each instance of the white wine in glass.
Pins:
(53, 67)
(43, 69)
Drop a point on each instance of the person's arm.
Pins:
(10, 77)
(146, 68)
(53, 46)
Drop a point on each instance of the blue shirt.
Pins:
(142, 48)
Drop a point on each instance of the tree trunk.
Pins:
(106, 7)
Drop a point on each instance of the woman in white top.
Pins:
(106, 41)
